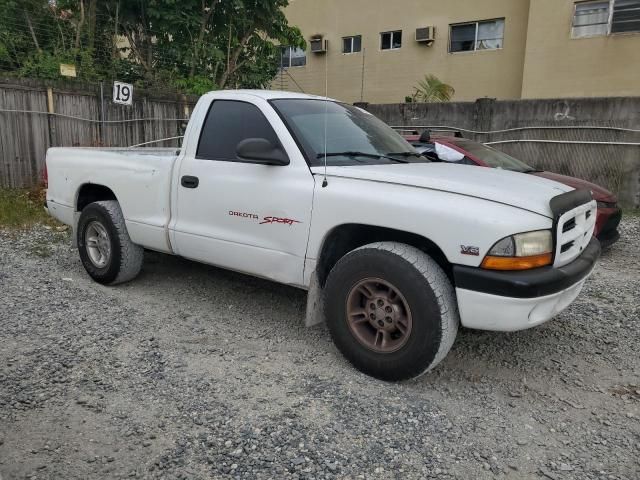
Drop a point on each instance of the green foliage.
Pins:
(4, 53)
(192, 45)
(432, 89)
(196, 85)
(22, 208)
(46, 65)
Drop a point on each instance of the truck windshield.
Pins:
(492, 157)
(354, 136)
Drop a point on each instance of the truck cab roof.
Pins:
(266, 94)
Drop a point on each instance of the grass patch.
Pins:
(21, 208)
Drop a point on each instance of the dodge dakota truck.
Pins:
(395, 251)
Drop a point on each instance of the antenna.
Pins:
(326, 110)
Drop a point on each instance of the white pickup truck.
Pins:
(395, 251)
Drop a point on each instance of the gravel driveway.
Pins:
(194, 372)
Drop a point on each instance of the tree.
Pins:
(194, 45)
(207, 44)
(432, 89)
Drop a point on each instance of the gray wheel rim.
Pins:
(378, 315)
(98, 244)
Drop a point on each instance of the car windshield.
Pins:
(354, 136)
(492, 157)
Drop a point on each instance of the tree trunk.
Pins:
(115, 32)
(138, 51)
(79, 26)
(64, 44)
(33, 33)
(233, 61)
(204, 21)
(92, 22)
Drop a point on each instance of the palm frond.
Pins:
(432, 89)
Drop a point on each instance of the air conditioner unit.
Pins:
(319, 45)
(426, 35)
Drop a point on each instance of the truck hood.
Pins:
(519, 190)
(600, 194)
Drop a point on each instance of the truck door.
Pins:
(237, 214)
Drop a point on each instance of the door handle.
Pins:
(189, 182)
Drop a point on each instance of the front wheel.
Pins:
(107, 253)
(391, 310)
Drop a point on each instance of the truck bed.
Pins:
(140, 179)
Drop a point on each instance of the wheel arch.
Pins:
(92, 192)
(345, 238)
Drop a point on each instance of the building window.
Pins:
(590, 19)
(626, 16)
(604, 17)
(352, 44)
(469, 37)
(391, 40)
(293, 57)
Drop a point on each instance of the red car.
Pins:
(464, 151)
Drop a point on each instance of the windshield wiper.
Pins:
(360, 154)
(531, 170)
(406, 154)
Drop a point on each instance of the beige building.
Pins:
(378, 50)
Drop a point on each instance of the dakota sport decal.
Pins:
(265, 220)
(286, 221)
(243, 215)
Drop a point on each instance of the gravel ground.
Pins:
(194, 372)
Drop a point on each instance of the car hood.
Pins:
(600, 194)
(527, 192)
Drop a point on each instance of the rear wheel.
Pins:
(391, 310)
(107, 253)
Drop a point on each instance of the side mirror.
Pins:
(261, 150)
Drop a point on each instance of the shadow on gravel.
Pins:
(475, 353)
(161, 269)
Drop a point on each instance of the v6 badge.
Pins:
(469, 250)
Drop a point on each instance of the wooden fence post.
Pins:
(101, 132)
(50, 110)
(182, 126)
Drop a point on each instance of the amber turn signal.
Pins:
(517, 263)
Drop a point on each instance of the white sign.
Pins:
(122, 93)
(67, 70)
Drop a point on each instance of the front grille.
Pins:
(569, 225)
(574, 230)
(566, 247)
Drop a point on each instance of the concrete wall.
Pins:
(558, 65)
(390, 75)
(616, 167)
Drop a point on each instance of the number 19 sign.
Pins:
(122, 93)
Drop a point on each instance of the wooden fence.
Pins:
(35, 116)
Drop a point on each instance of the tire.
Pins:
(107, 253)
(424, 306)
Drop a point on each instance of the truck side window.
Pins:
(227, 124)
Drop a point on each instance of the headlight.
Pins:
(521, 251)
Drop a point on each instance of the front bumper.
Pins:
(509, 301)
